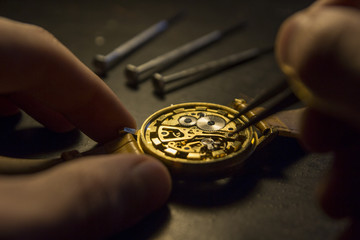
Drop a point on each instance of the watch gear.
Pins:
(211, 123)
(187, 121)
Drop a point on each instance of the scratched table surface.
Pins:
(275, 199)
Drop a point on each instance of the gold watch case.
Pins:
(196, 140)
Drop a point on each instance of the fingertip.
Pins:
(152, 184)
(154, 173)
(143, 185)
(301, 34)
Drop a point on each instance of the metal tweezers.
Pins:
(284, 97)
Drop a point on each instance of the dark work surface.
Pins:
(275, 199)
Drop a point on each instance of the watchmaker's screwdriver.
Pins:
(194, 74)
(103, 63)
(138, 74)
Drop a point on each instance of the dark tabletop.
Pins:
(275, 199)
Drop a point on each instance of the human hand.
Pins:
(88, 198)
(321, 45)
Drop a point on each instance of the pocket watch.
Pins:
(193, 140)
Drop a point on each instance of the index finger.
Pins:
(321, 47)
(33, 62)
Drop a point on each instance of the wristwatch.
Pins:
(195, 140)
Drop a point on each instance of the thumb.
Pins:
(321, 45)
(88, 198)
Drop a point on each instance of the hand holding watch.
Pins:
(194, 140)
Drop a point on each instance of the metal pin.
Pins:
(138, 74)
(103, 63)
(197, 73)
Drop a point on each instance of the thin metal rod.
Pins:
(196, 73)
(138, 74)
(103, 63)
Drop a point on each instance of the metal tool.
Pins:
(284, 98)
(197, 73)
(138, 74)
(103, 63)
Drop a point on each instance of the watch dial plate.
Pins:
(195, 133)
